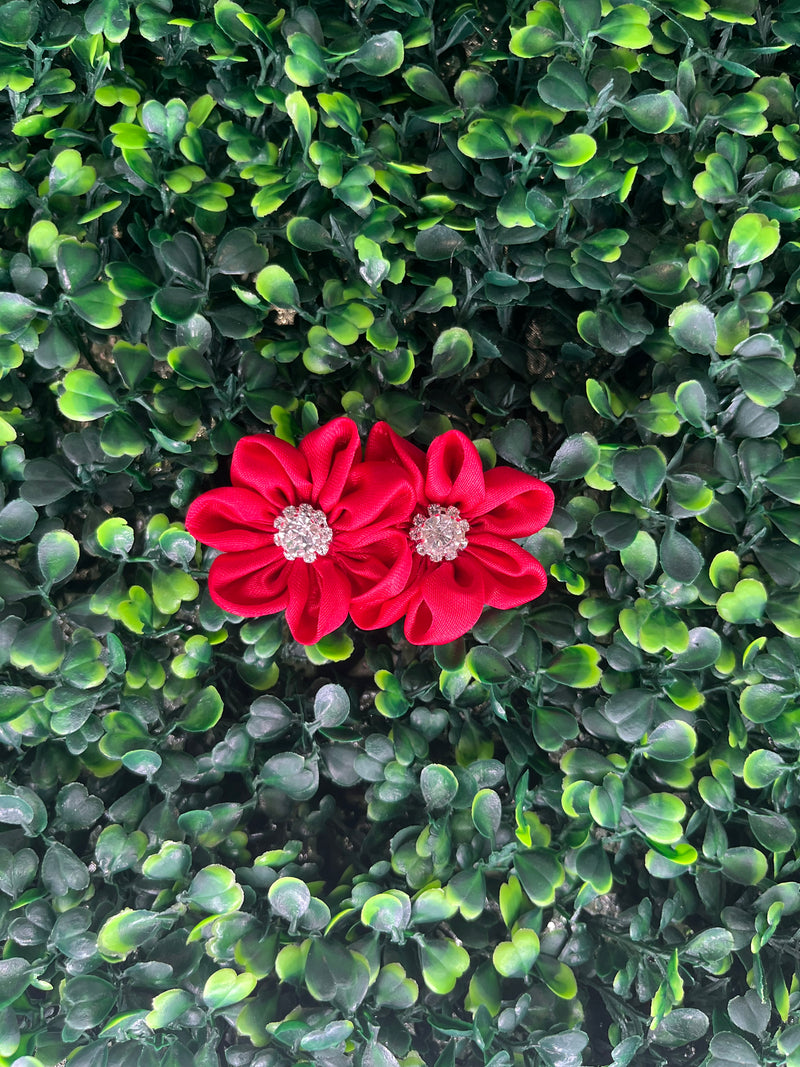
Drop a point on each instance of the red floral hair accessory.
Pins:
(460, 532)
(305, 529)
(318, 531)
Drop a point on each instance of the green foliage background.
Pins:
(569, 230)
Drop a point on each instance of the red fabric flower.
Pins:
(305, 529)
(460, 532)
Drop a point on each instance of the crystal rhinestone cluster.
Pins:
(303, 533)
(442, 535)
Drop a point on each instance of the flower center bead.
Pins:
(442, 535)
(303, 533)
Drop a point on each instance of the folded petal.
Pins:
(250, 583)
(234, 520)
(455, 472)
(511, 576)
(379, 574)
(319, 597)
(383, 444)
(378, 496)
(273, 468)
(447, 602)
(331, 451)
(516, 504)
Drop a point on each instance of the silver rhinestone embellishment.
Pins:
(442, 535)
(303, 533)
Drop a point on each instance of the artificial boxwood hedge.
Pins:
(569, 229)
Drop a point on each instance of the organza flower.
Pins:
(459, 538)
(305, 529)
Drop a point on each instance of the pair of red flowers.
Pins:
(320, 532)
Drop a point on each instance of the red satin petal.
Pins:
(319, 596)
(379, 575)
(511, 576)
(516, 504)
(378, 495)
(234, 520)
(374, 610)
(273, 468)
(447, 602)
(383, 444)
(455, 472)
(250, 583)
(331, 452)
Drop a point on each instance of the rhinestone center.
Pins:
(442, 535)
(303, 533)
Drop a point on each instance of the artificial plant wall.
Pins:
(567, 229)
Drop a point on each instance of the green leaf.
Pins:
(57, 554)
(426, 83)
(573, 150)
(203, 711)
(172, 861)
(626, 26)
(541, 873)
(15, 312)
(484, 139)
(744, 604)
(393, 989)
(128, 930)
(331, 706)
(785, 481)
(306, 65)
(531, 41)
(39, 646)
(692, 327)
(765, 380)
(753, 237)
(670, 742)
(380, 55)
(515, 958)
(750, 1013)
(640, 472)
(78, 265)
(290, 899)
(308, 235)
(275, 285)
(17, 520)
(487, 665)
(226, 987)
(438, 243)
(68, 176)
(238, 251)
(681, 560)
(19, 22)
(744, 865)
(716, 184)
(487, 811)
(640, 557)
(214, 890)
(122, 436)
(439, 785)
(16, 974)
(575, 457)
(167, 1007)
(443, 962)
(658, 816)
(763, 701)
(656, 112)
(389, 913)
(577, 667)
(337, 975)
(14, 190)
(564, 87)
